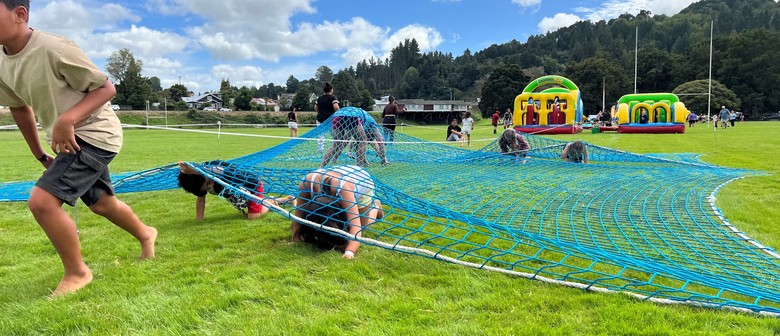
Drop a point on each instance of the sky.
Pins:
(255, 42)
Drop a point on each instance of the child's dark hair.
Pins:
(11, 4)
(192, 183)
(328, 87)
(323, 210)
(508, 141)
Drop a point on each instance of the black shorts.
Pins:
(81, 175)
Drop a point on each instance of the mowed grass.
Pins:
(227, 275)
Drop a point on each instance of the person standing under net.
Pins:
(347, 126)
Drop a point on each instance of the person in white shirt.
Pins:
(468, 126)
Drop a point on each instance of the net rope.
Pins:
(643, 225)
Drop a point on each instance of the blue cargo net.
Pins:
(641, 225)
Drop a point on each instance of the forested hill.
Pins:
(673, 50)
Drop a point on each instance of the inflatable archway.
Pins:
(651, 113)
(554, 110)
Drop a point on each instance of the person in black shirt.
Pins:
(327, 104)
(454, 132)
(389, 115)
(292, 122)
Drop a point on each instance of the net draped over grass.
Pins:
(651, 231)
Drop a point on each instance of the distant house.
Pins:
(428, 110)
(285, 100)
(197, 102)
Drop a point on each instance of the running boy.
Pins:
(50, 77)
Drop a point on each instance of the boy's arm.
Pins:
(25, 119)
(200, 208)
(63, 134)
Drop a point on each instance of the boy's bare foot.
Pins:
(147, 244)
(71, 283)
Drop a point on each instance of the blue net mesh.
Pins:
(642, 225)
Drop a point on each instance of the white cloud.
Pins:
(613, 8)
(427, 38)
(238, 75)
(164, 7)
(236, 33)
(67, 18)
(549, 24)
(142, 41)
(526, 3)
(113, 13)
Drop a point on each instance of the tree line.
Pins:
(673, 56)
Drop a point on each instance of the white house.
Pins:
(197, 102)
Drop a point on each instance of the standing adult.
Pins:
(327, 104)
(389, 114)
(724, 116)
(292, 122)
(494, 119)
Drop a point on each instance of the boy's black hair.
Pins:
(323, 210)
(328, 87)
(11, 4)
(192, 183)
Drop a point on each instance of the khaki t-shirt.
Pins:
(51, 74)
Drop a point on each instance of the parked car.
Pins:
(770, 116)
(115, 107)
(224, 109)
(209, 108)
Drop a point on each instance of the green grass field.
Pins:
(227, 275)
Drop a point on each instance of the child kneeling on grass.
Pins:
(340, 197)
(195, 183)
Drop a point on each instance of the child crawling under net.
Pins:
(340, 197)
(195, 183)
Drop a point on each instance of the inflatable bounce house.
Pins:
(557, 109)
(651, 113)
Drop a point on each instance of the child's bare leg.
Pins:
(122, 216)
(55, 222)
(334, 151)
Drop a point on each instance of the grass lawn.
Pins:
(227, 275)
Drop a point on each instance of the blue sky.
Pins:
(255, 42)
